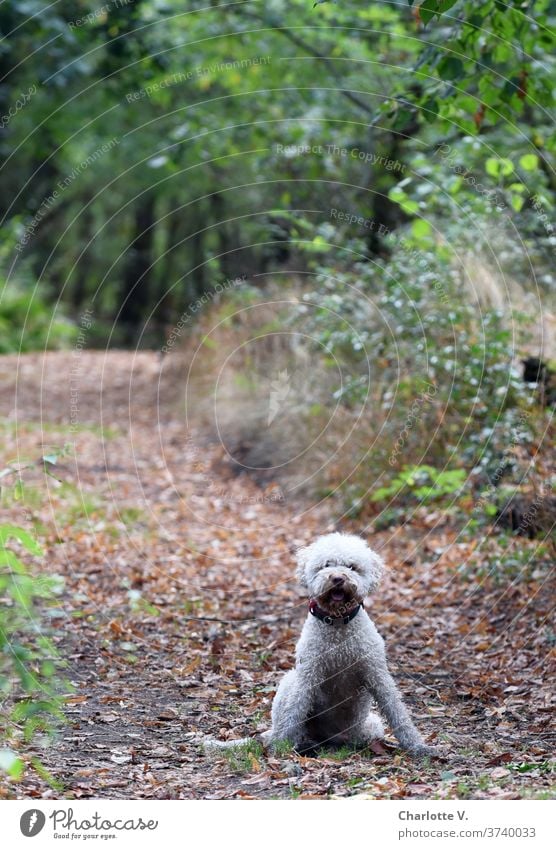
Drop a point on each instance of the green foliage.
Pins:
(424, 483)
(509, 562)
(28, 323)
(469, 72)
(29, 663)
(540, 767)
(438, 373)
(202, 115)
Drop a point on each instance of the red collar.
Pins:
(317, 611)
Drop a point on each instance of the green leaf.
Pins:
(492, 167)
(450, 68)
(7, 531)
(409, 206)
(444, 5)
(9, 559)
(529, 162)
(428, 10)
(421, 228)
(402, 118)
(11, 764)
(499, 167)
(430, 109)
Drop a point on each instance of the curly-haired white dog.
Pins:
(341, 664)
(340, 658)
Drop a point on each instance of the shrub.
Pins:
(432, 381)
(29, 663)
(28, 323)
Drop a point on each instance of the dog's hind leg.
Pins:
(290, 709)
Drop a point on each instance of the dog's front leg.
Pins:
(291, 707)
(389, 700)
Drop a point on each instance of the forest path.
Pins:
(180, 612)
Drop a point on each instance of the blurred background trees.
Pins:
(388, 167)
(161, 148)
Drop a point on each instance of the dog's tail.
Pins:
(210, 744)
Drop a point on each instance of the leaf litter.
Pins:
(180, 613)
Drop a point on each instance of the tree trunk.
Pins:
(135, 296)
(225, 241)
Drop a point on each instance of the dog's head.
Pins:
(338, 570)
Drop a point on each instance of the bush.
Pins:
(29, 663)
(432, 381)
(28, 323)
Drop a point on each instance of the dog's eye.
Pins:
(351, 566)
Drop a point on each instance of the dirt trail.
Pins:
(180, 613)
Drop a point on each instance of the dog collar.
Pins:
(315, 610)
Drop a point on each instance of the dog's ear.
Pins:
(302, 557)
(376, 569)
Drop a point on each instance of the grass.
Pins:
(544, 767)
(282, 748)
(77, 508)
(55, 427)
(342, 753)
(244, 757)
(131, 515)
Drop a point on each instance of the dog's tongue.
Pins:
(337, 595)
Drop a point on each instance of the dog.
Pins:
(340, 668)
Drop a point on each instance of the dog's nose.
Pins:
(337, 579)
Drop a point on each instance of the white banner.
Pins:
(266, 824)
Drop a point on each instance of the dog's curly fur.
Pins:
(340, 669)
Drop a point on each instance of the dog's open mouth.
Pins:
(338, 598)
